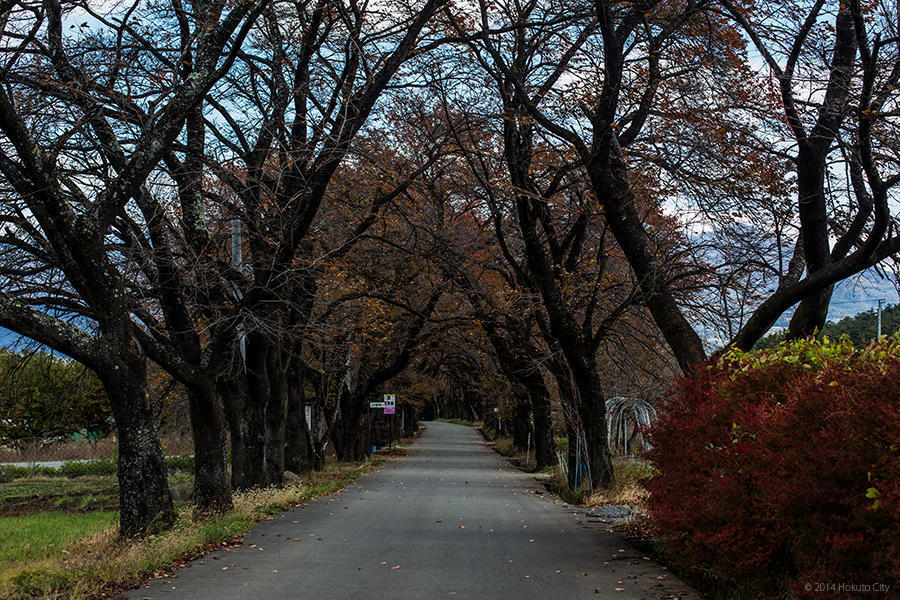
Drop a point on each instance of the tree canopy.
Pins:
(292, 204)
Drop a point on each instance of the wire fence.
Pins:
(36, 452)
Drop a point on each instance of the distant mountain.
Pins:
(861, 328)
(851, 297)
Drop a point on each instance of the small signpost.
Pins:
(390, 408)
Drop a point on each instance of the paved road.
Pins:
(450, 520)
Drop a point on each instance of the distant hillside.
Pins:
(861, 328)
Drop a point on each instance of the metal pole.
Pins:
(880, 300)
(237, 260)
(528, 450)
(33, 454)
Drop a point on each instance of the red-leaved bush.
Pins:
(779, 469)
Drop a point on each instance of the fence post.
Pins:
(34, 455)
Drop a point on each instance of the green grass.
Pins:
(80, 495)
(86, 494)
(87, 557)
(44, 535)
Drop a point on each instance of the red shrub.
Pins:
(780, 468)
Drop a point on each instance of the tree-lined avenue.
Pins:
(449, 520)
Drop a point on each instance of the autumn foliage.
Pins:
(779, 468)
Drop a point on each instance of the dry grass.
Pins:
(102, 562)
(505, 447)
(627, 486)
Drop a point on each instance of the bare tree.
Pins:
(71, 173)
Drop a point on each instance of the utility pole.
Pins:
(237, 260)
(880, 300)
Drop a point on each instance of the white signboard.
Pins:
(376, 404)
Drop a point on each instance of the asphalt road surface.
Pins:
(449, 520)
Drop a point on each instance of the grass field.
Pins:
(55, 542)
(40, 494)
(46, 534)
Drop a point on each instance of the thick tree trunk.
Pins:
(811, 314)
(350, 435)
(409, 420)
(595, 451)
(520, 426)
(258, 394)
(233, 400)
(276, 417)
(809, 318)
(298, 451)
(212, 486)
(145, 504)
(254, 466)
(581, 393)
(544, 450)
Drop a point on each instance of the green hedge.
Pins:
(96, 467)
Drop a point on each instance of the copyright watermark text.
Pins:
(848, 588)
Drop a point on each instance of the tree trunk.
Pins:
(521, 422)
(145, 504)
(350, 435)
(276, 417)
(298, 452)
(811, 313)
(258, 394)
(246, 426)
(592, 411)
(233, 401)
(544, 451)
(212, 487)
(612, 189)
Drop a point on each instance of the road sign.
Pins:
(376, 404)
(390, 404)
